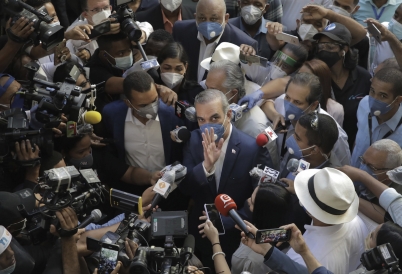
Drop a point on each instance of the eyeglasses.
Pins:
(96, 10)
(371, 167)
(329, 46)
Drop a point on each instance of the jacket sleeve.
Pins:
(280, 261)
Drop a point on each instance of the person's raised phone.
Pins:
(373, 30)
(108, 258)
(215, 217)
(100, 29)
(272, 235)
(287, 38)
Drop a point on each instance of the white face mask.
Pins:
(8, 270)
(171, 5)
(54, 24)
(251, 14)
(122, 63)
(396, 28)
(171, 79)
(307, 31)
(101, 16)
(339, 10)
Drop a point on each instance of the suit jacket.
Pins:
(186, 33)
(114, 117)
(153, 15)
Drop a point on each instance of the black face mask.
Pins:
(330, 58)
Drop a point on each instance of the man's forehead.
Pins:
(312, 21)
(95, 3)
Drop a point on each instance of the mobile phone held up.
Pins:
(272, 235)
(373, 30)
(215, 217)
(108, 258)
(100, 29)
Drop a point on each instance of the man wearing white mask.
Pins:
(252, 22)
(95, 12)
(164, 15)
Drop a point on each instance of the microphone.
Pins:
(184, 109)
(91, 117)
(188, 249)
(227, 207)
(182, 134)
(296, 166)
(95, 216)
(268, 135)
(237, 111)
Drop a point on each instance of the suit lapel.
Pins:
(119, 125)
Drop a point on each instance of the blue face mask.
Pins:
(210, 30)
(294, 148)
(292, 112)
(219, 129)
(378, 108)
(396, 28)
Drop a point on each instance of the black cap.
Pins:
(9, 203)
(336, 32)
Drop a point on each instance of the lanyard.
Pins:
(377, 16)
(386, 135)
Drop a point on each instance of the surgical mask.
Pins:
(101, 16)
(251, 14)
(395, 175)
(122, 63)
(219, 129)
(307, 31)
(377, 107)
(292, 112)
(210, 30)
(82, 163)
(149, 112)
(54, 24)
(9, 269)
(171, 79)
(294, 148)
(330, 58)
(339, 10)
(171, 5)
(396, 28)
(276, 72)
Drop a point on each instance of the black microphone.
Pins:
(188, 249)
(182, 134)
(95, 216)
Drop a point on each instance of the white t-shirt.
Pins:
(337, 247)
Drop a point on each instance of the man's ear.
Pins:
(85, 14)
(195, 15)
(265, 9)
(314, 105)
(356, 9)
(127, 102)
(227, 17)
(298, 23)
(399, 99)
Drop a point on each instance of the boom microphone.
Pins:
(227, 207)
(188, 249)
(95, 216)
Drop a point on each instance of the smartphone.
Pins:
(100, 29)
(215, 217)
(287, 38)
(57, 51)
(108, 258)
(253, 59)
(372, 29)
(272, 235)
(93, 244)
(152, 63)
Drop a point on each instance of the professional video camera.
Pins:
(60, 188)
(126, 18)
(16, 123)
(380, 259)
(48, 35)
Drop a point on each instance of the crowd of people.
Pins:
(320, 79)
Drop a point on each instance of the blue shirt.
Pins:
(263, 48)
(369, 10)
(378, 131)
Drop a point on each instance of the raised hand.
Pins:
(212, 151)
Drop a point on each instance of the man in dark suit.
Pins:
(218, 166)
(140, 126)
(165, 15)
(201, 36)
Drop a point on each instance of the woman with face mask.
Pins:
(173, 61)
(77, 151)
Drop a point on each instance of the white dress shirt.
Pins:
(143, 143)
(217, 169)
(337, 247)
(206, 51)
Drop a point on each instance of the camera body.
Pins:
(126, 18)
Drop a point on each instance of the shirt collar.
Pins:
(262, 28)
(393, 122)
(165, 19)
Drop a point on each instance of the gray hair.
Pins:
(234, 75)
(210, 95)
(393, 150)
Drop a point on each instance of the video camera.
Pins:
(380, 259)
(60, 188)
(49, 36)
(126, 18)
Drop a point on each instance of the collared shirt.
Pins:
(369, 10)
(336, 247)
(217, 169)
(143, 143)
(378, 131)
(275, 11)
(263, 47)
(206, 51)
(168, 24)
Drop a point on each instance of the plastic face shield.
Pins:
(283, 61)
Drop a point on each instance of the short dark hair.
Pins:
(355, 2)
(299, 51)
(391, 233)
(173, 50)
(84, 5)
(139, 81)
(307, 80)
(270, 205)
(391, 76)
(63, 71)
(325, 135)
(37, 3)
(161, 35)
(105, 41)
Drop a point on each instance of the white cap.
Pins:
(5, 239)
(224, 51)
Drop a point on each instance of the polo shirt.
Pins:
(369, 10)
(263, 47)
(356, 87)
(168, 25)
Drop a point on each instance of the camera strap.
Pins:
(15, 38)
(31, 163)
(67, 233)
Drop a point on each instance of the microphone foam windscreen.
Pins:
(292, 165)
(224, 204)
(184, 134)
(189, 242)
(261, 139)
(92, 117)
(96, 214)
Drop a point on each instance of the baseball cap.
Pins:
(336, 32)
(9, 203)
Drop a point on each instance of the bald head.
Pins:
(211, 4)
